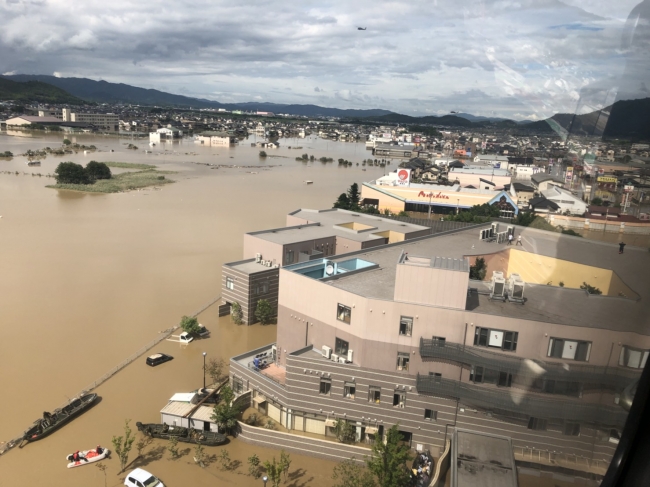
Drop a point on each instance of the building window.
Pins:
(505, 379)
(476, 374)
(562, 387)
(341, 347)
(374, 394)
(505, 340)
(569, 349)
(349, 389)
(537, 424)
(230, 283)
(571, 429)
(403, 360)
(343, 313)
(399, 399)
(237, 385)
(430, 414)
(633, 357)
(288, 257)
(325, 386)
(406, 326)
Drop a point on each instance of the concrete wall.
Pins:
(244, 289)
(269, 250)
(428, 285)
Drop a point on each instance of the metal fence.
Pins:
(436, 226)
(8, 445)
(590, 376)
(498, 401)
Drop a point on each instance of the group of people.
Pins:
(511, 237)
(79, 457)
(422, 473)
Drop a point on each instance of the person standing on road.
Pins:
(510, 239)
(519, 241)
(621, 246)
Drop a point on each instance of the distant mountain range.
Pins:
(105, 92)
(35, 91)
(629, 118)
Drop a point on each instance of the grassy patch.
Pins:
(541, 224)
(121, 182)
(129, 165)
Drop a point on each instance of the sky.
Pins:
(524, 59)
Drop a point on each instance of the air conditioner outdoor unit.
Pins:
(274, 351)
(342, 360)
(258, 257)
(327, 351)
(349, 355)
(498, 288)
(269, 263)
(516, 290)
(334, 357)
(263, 262)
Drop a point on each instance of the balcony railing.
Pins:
(492, 399)
(590, 376)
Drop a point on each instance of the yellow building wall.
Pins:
(391, 236)
(385, 201)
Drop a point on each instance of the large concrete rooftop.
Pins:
(543, 303)
(481, 460)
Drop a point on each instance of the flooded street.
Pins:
(88, 279)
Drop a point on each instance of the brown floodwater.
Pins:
(88, 279)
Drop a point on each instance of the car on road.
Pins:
(158, 358)
(142, 478)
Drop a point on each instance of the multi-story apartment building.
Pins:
(309, 235)
(105, 122)
(400, 334)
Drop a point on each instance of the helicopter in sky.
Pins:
(362, 28)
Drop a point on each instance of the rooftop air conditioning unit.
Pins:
(334, 357)
(269, 263)
(330, 268)
(350, 356)
(263, 262)
(327, 351)
(258, 257)
(498, 288)
(516, 290)
(498, 274)
(342, 360)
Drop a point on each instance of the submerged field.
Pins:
(146, 176)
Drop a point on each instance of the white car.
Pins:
(185, 337)
(142, 478)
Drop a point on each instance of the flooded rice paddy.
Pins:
(88, 279)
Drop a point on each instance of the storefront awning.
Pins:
(259, 399)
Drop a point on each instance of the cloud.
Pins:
(431, 51)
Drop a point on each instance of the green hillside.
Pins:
(35, 91)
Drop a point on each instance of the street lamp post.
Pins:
(265, 479)
(457, 205)
(204, 354)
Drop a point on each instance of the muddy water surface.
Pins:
(88, 279)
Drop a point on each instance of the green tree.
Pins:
(345, 432)
(354, 196)
(478, 270)
(264, 312)
(236, 313)
(254, 466)
(525, 218)
(199, 455)
(190, 324)
(172, 447)
(225, 413)
(98, 170)
(349, 473)
(274, 472)
(215, 368)
(143, 442)
(71, 173)
(122, 445)
(343, 202)
(66, 142)
(285, 463)
(403, 213)
(224, 458)
(597, 201)
(262, 154)
(388, 460)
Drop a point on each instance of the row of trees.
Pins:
(263, 312)
(71, 173)
(351, 200)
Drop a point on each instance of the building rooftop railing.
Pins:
(523, 371)
(504, 402)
